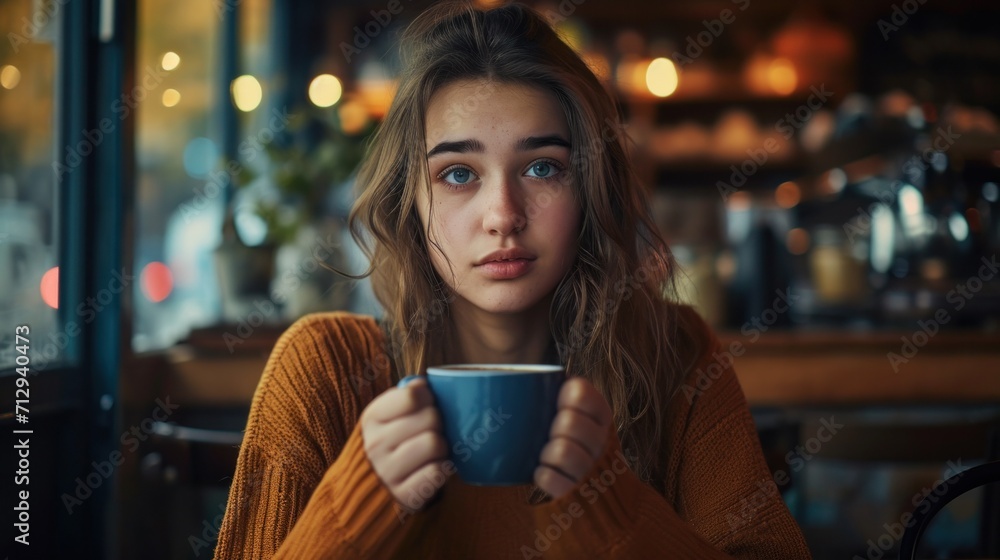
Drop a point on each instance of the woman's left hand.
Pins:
(577, 438)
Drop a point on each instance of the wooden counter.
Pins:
(846, 368)
(778, 369)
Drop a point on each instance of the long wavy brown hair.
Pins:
(611, 316)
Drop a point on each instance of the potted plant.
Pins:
(289, 196)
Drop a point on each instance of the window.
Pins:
(178, 205)
(30, 160)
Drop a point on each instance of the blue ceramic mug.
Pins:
(496, 417)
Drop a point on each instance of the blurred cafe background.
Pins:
(175, 179)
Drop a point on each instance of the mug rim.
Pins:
(455, 370)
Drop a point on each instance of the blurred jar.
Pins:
(838, 274)
(699, 282)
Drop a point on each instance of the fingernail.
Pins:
(407, 380)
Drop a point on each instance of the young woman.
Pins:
(501, 144)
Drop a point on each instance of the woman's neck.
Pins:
(492, 338)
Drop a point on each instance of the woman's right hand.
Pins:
(402, 436)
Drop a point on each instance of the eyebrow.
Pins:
(523, 145)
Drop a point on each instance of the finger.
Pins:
(421, 486)
(552, 481)
(581, 395)
(400, 402)
(569, 423)
(390, 435)
(567, 457)
(413, 454)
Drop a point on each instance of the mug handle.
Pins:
(407, 380)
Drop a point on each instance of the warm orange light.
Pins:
(353, 116)
(781, 76)
(157, 282)
(10, 76)
(797, 241)
(787, 195)
(50, 287)
(631, 75)
(739, 201)
(377, 95)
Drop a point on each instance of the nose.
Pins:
(505, 213)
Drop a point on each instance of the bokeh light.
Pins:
(782, 77)
(661, 77)
(247, 93)
(10, 76)
(325, 90)
(797, 241)
(170, 61)
(787, 195)
(50, 287)
(157, 282)
(171, 97)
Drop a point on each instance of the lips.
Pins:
(507, 255)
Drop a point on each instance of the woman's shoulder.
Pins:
(701, 357)
(693, 337)
(326, 359)
(322, 372)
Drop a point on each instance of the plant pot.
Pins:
(245, 275)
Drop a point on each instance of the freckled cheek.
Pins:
(452, 230)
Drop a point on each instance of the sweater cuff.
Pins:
(601, 508)
(368, 516)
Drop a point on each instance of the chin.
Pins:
(505, 300)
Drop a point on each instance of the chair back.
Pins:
(941, 496)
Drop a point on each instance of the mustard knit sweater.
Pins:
(304, 487)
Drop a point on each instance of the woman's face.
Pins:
(498, 156)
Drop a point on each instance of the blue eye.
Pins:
(544, 170)
(461, 176)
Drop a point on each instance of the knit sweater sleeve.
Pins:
(303, 486)
(727, 505)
